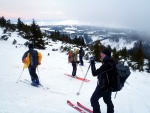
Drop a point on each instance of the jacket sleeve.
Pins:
(104, 68)
(39, 57)
(26, 60)
(93, 69)
(24, 56)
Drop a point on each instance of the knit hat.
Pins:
(30, 46)
(107, 52)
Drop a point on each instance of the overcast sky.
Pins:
(133, 14)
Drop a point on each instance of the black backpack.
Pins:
(120, 75)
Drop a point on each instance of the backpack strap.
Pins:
(105, 71)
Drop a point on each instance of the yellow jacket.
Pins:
(26, 59)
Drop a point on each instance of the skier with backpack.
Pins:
(102, 88)
(111, 78)
(32, 59)
(81, 54)
(72, 58)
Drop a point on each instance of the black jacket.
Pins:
(104, 73)
(81, 52)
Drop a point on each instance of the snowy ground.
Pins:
(24, 98)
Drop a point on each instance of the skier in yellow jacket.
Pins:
(32, 59)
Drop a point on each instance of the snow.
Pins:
(118, 45)
(23, 98)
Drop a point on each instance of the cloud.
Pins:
(117, 13)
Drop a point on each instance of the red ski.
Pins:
(75, 107)
(85, 108)
(78, 78)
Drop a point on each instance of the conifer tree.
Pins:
(26, 29)
(123, 53)
(20, 25)
(148, 65)
(97, 48)
(37, 37)
(115, 55)
(2, 22)
(138, 56)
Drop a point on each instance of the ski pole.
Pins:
(38, 73)
(20, 76)
(39, 78)
(81, 70)
(83, 81)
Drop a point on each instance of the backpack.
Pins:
(121, 73)
(71, 56)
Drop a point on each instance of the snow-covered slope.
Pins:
(24, 98)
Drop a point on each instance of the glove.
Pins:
(92, 60)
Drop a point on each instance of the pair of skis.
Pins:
(29, 82)
(78, 78)
(79, 107)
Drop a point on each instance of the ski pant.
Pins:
(32, 72)
(74, 65)
(106, 94)
(81, 60)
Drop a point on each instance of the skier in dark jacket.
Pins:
(81, 54)
(102, 88)
(32, 59)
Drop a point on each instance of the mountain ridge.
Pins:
(92, 33)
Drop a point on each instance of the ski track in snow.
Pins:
(139, 99)
(47, 89)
